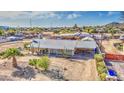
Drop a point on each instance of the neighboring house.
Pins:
(85, 34)
(73, 36)
(60, 47)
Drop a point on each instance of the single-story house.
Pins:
(73, 36)
(63, 47)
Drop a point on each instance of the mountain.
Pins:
(4, 27)
(116, 24)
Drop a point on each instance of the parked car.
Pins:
(15, 38)
(121, 37)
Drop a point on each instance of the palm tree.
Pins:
(12, 53)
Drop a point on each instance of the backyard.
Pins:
(109, 47)
(67, 68)
(70, 68)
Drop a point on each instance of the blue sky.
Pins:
(57, 18)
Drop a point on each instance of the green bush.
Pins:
(103, 76)
(100, 64)
(43, 62)
(33, 62)
(2, 53)
(98, 57)
(101, 69)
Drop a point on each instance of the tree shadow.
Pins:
(24, 72)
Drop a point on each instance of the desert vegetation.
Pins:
(42, 63)
(11, 53)
(101, 68)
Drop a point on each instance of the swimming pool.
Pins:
(112, 72)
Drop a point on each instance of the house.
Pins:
(73, 36)
(60, 47)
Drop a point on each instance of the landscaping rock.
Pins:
(54, 74)
(26, 73)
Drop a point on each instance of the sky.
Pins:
(57, 18)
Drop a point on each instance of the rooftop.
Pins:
(63, 44)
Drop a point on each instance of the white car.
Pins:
(121, 37)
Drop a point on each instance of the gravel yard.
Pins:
(69, 69)
(72, 70)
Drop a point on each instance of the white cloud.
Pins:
(10, 14)
(46, 15)
(73, 16)
(36, 14)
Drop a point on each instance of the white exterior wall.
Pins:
(61, 52)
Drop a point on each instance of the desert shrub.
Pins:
(100, 64)
(98, 57)
(101, 69)
(33, 62)
(119, 46)
(2, 54)
(43, 62)
(103, 76)
(26, 45)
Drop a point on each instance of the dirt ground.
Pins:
(74, 69)
(77, 70)
(109, 46)
(14, 44)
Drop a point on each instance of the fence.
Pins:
(114, 57)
